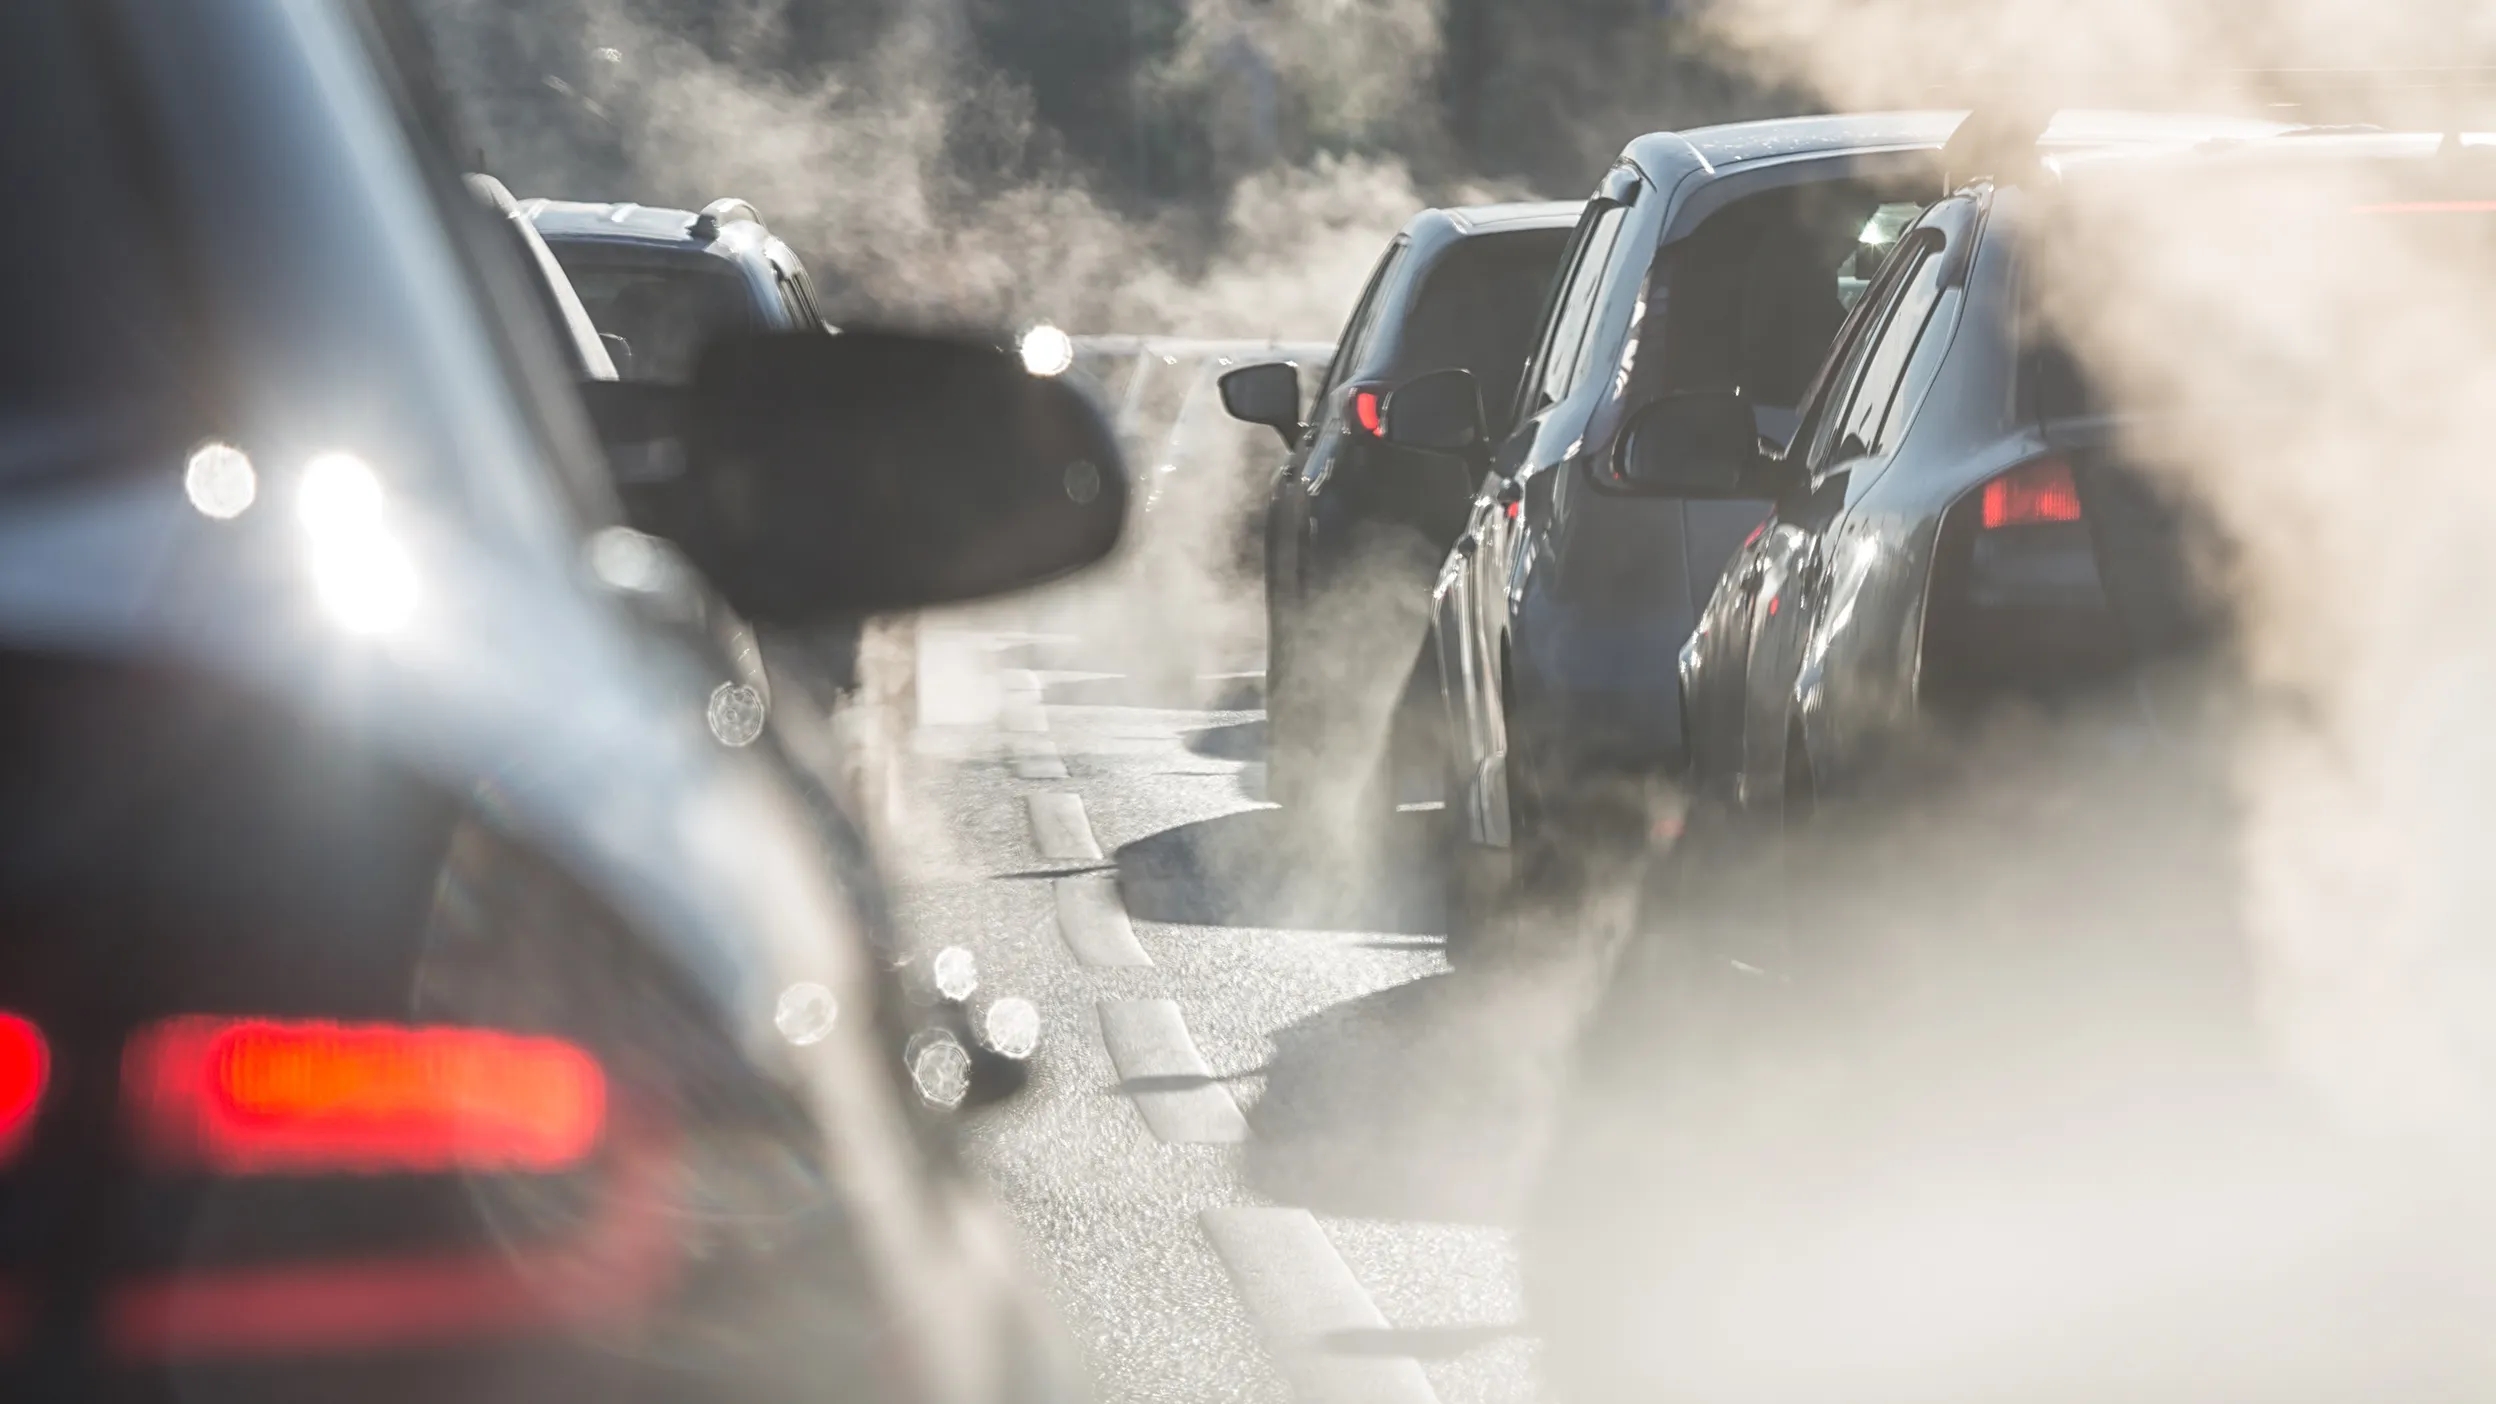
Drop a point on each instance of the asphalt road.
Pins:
(1273, 1148)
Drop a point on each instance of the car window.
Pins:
(1477, 310)
(1752, 299)
(665, 311)
(1556, 370)
(1364, 324)
(1843, 365)
(1866, 423)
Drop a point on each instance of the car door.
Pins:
(1715, 662)
(1478, 587)
(1788, 572)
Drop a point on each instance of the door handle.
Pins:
(1509, 492)
(1467, 544)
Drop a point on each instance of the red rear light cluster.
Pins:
(25, 1070)
(2033, 494)
(253, 1096)
(1369, 412)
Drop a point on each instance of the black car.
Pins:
(1959, 1006)
(1959, 521)
(1718, 259)
(1356, 525)
(428, 978)
(663, 281)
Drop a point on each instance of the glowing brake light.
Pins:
(2033, 494)
(25, 1068)
(255, 1096)
(1368, 413)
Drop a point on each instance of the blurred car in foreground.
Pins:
(429, 980)
(1355, 526)
(1714, 259)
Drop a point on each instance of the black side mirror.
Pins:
(619, 351)
(827, 476)
(1440, 412)
(1704, 444)
(1268, 394)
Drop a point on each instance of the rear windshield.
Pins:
(665, 310)
(1478, 309)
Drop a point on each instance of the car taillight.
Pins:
(257, 1096)
(25, 1069)
(2032, 494)
(1368, 412)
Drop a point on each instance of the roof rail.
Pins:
(727, 209)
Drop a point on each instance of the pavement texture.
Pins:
(1272, 1147)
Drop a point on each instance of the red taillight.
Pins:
(25, 1067)
(1368, 412)
(252, 1096)
(2032, 494)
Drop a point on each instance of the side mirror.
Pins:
(827, 476)
(1704, 444)
(1440, 412)
(619, 351)
(1268, 394)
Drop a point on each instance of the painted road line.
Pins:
(1094, 922)
(1299, 1291)
(1059, 828)
(1034, 757)
(1159, 1064)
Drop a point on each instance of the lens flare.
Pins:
(1047, 351)
(220, 481)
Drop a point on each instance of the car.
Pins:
(1938, 547)
(1354, 526)
(663, 280)
(1972, 945)
(429, 979)
(1718, 258)
(658, 283)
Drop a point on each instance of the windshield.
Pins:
(665, 309)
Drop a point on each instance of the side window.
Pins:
(1826, 401)
(1868, 413)
(1357, 332)
(1557, 366)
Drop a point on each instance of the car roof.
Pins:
(1733, 144)
(1517, 214)
(645, 226)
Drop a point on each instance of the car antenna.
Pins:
(725, 210)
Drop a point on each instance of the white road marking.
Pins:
(1178, 1098)
(1059, 827)
(1094, 922)
(1298, 1291)
(1035, 757)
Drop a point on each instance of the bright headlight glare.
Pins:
(1047, 351)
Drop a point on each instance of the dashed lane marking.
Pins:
(1173, 1087)
(1299, 1291)
(1035, 757)
(1093, 922)
(1059, 828)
